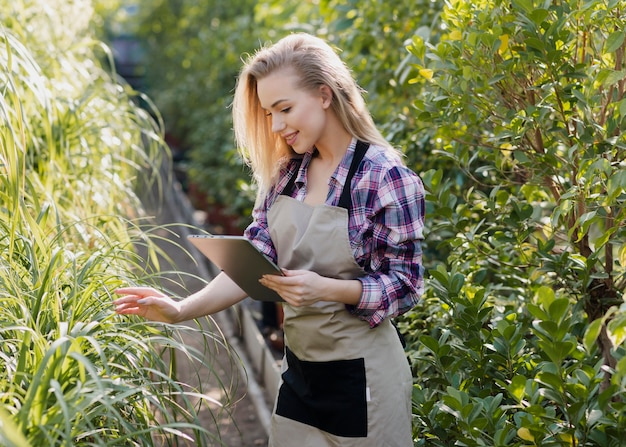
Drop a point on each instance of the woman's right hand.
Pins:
(148, 303)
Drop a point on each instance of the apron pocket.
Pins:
(330, 396)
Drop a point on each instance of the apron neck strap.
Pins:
(289, 187)
(345, 201)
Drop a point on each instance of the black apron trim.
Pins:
(345, 201)
(289, 187)
(330, 396)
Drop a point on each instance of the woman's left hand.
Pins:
(297, 287)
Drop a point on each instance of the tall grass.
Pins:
(73, 146)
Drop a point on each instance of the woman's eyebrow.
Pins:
(277, 102)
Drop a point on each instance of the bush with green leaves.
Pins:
(73, 148)
(520, 340)
(372, 38)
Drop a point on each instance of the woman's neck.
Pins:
(333, 145)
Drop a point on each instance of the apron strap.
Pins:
(345, 201)
(291, 184)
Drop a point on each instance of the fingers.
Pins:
(138, 295)
(294, 272)
(146, 302)
(138, 291)
(135, 300)
(129, 308)
(269, 282)
(294, 287)
(292, 278)
(132, 299)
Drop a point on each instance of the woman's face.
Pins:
(298, 116)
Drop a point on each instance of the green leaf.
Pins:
(517, 387)
(604, 238)
(558, 309)
(602, 165)
(457, 283)
(613, 77)
(621, 367)
(616, 183)
(440, 274)
(614, 41)
(537, 312)
(548, 328)
(430, 343)
(545, 296)
(591, 334)
(617, 329)
(622, 107)
(417, 47)
(432, 179)
(535, 44)
(557, 351)
(343, 24)
(10, 433)
(551, 380)
(526, 6)
(539, 15)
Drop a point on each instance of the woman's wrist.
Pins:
(345, 291)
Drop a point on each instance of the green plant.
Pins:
(490, 374)
(73, 148)
(372, 37)
(527, 99)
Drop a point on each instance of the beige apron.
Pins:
(343, 384)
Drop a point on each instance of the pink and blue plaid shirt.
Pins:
(385, 228)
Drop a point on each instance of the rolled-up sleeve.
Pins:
(258, 231)
(392, 253)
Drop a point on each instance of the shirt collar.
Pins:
(340, 174)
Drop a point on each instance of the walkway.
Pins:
(245, 421)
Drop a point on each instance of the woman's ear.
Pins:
(327, 96)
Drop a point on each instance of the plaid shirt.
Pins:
(385, 228)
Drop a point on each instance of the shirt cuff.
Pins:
(368, 308)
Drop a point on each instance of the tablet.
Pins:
(241, 261)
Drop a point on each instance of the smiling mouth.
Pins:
(291, 138)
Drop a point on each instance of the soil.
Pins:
(230, 412)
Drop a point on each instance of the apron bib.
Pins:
(342, 384)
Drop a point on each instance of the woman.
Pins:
(343, 217)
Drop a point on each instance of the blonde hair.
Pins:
(317, 64)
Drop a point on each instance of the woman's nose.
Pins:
(277, 124)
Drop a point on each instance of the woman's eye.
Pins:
(286, 110)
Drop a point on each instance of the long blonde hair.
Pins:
(316, 63)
